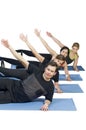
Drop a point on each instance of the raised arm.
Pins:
(50, 50)
(15, 54)
(37, 55)
(55, 39)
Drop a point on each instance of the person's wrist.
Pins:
(67, 75)
(46, 104)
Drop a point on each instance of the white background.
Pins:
(66, 20)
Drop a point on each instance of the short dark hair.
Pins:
(52, 63)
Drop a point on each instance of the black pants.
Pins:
(17, 73)
(28, 53)
(16, 62)
(12, 91)
(6, 94)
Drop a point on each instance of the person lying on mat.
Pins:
(38, 82)
(22, 72)
(15, 62)
(59, 59)
(73, 53)
(64, 51)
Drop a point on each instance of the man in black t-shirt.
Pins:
(22, 90)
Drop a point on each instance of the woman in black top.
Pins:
(72, 56)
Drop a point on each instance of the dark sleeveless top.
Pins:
(68, 60)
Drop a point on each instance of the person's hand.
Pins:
(68, 78)
(76, 69)
(37, 32)
(49, 34)
(58, 90)
(44, 107)
(5, 43)
(23, 37)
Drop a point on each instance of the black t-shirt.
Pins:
(47, 85)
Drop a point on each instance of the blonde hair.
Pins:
(76, 44)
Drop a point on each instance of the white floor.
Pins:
(62, 120)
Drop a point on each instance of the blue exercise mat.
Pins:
(74, 77)
(80, 68)
(70, 88)
(60, 104)
(70, 67)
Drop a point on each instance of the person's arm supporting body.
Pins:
(50, 50)
(67, 72)
(57, 87)
(55, 40)
(75, 64)
(37, 55)
(45, 105)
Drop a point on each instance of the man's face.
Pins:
(50, 71)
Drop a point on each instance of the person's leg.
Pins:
(11, 91)
(6, 95)
(10, 60)
(2, 64)
(29, 53)
(17, 73)
(16, 62)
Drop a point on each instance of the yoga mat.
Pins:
(60, 104)
(70, 88)
(74, 77)
(80, 68)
